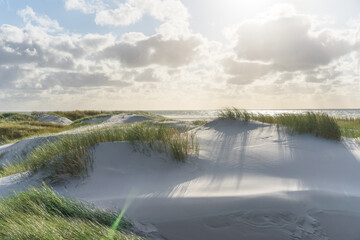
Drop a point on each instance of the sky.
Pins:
(179, 55)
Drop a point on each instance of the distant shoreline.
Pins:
(211, 114)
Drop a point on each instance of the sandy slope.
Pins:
(110, 121)
(10, 152)
(54, 119)
(118, 119)
(13, 151)
(251, 181)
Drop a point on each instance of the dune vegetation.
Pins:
(233, 113)
(72, 115)
(350, 127)
(78, 116)
(71, 154)
(321, 125)
(18, 126)
(40, 213)
(13, 116)
(11, 131)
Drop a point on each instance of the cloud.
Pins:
(162, 10)
(86, 6)
(8, 76)
(284, 41)
(124, 15)
(148, 75)
(80, 80)
(288, 42)
(34, 52)
(172, 13)
(153, 50)
(244, 72)
(33, 45)
(275, 56)
(321, 75)
(9, 33)
(29, 16)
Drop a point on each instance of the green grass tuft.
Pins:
(72, 154)
(350, 127)
(17, 117)
(16, 130)
(43, 214)
(199, 122)
(234, 113)
(318, 124)
(72, 115)
(78, 116)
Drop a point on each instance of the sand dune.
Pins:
(251, 181)
(54, 119)
(118, 119)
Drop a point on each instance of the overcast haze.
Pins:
(172, 54)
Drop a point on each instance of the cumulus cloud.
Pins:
(30, 50)
(153, 50)
(244, 72)
(86, 6)
(8, 76)
(285, 41)
(39, 43)
(35, 58)
(125, 14)
(130, 11)
(162, 9)
(275, 55)
(34, 45)
(172, 13)
(321, 75)
(148, 75)
(29, 16)
(78, 80)
(288, 43)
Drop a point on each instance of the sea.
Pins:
(191, 115)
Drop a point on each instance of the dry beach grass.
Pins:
(314, 123)
(71, 154)
(40, 213)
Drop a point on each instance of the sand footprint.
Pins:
(295, 226)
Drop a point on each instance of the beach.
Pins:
(250, 180)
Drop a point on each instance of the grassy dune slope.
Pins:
(71, 154)
(17, 126)
(43, 214)
(16, 130)
(320, 125)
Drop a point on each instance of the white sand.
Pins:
(251, 181)
(118, 119)
(97, 120)
(54, 119)
(10, 152)
(109, 121)
(13, 151)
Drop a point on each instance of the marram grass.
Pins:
(317, 124)
(78, 116)
(350, 127)
(72, 154)
(41, 214)
(233, 113)
(16, 130)
(18, 126)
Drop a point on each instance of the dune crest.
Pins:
(251, 180)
